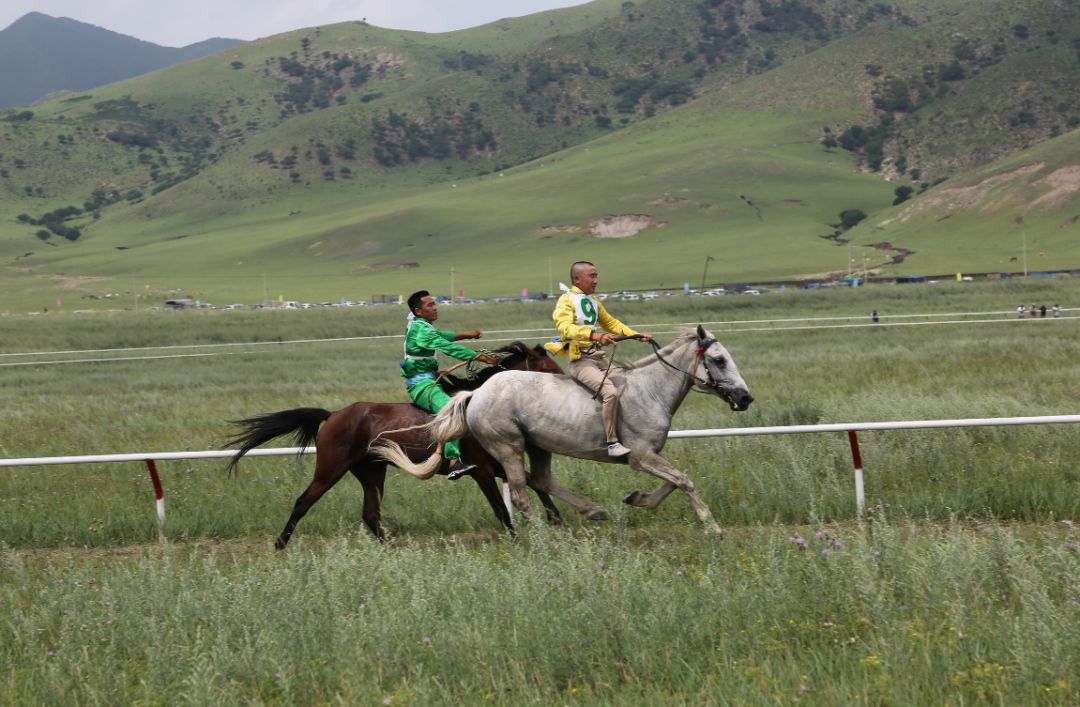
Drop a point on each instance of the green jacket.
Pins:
(422, 340)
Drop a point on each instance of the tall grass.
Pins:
(890, 613)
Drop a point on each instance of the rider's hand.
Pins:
(484, 358)
(474, 334)
(603, 338)
(645, 337)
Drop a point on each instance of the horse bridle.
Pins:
(703, 346)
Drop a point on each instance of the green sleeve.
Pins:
(442, 340)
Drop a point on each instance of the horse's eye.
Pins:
(719, 361)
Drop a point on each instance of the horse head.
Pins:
(538, 360)
(717, 373)
(515, 356)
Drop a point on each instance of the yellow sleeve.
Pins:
(612, 324)
(566, 322)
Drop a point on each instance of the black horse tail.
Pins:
(302, 423)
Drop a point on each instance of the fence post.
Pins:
(506, 499)
(860, 498)
(159, 497)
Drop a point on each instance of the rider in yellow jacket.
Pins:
(576, 316)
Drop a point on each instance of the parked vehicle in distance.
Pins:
(751, 291)
(230, 307)
(631, 297)
(649, 296)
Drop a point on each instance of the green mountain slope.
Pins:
(350, 160)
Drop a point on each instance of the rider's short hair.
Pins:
(416, 299)
(574, 267)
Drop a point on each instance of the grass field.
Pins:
(962, 585)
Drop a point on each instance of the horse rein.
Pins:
(702, 347)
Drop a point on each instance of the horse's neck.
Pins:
(657, 384)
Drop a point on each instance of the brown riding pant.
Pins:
(589, 369)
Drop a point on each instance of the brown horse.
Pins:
(342, 443)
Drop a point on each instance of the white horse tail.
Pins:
(449, 424)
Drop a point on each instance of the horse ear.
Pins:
(701, 333)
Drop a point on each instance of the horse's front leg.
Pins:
(652, 463)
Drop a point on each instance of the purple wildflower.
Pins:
(50, 653)
(388, 700)
(426, 640)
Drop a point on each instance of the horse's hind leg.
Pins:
(541, 481)
(484, 476)
(508, 452)
(653, 463)
(328, 471)
(649, 500)
(371, 476)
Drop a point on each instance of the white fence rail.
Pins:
(850, 427)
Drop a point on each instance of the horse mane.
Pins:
(664, 351)
(517, 352)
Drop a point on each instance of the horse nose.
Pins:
(744, 399)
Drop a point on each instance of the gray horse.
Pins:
(518, 413)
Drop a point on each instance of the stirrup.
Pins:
(458, 469)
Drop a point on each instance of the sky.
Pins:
(176, 24)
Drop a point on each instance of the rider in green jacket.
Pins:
(420, 368)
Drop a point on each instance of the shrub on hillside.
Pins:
(850, 217)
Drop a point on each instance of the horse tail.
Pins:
(302, 423)
(449, 424)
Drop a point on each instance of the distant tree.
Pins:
(43, 235)
(602, 121)
(902, 194)
(951, 72)
(1020, 31)
(893, 96)
(850, 217)
(237, 65)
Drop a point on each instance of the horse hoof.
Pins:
(280, 544)
(631, 498)
(597, 515)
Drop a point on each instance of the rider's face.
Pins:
(428, 309)
(586, 279)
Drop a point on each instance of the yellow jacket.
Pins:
(576, 316)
